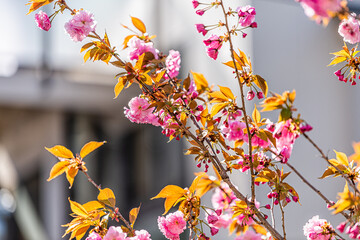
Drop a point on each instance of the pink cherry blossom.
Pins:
(246, 15)
(173, 225)
(249, 235)
(317, 229)
(223, 197)
(320, 9)
(213, 43)
(138, 47)
(349, 30)
(115, 233)
(140, 235)
(43, 21)
(172, 62)
(139, 112)
(285, 134)
(93, 236)
(250, 95)
(201, 29)
(80, 25)
(233, 130)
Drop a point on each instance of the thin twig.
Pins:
(282, 219)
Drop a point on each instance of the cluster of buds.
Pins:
(213, 44)
(353, 230)
(342, 78)
(276, 196)
(250, 95)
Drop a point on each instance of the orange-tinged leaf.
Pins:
(35, 4)
(78, 209)
(328, 172)
(71, 174)
(60, 152)
(58, 169)
(119, 86)
(193, 186)
(159, 76)
(89, 147)
(261, 83)
(126, 40)
(217, 108)
(256, 115)
(138, 24)
(218, 97)
(200, 80)
(171, 193)
(107, 197)
(133, 215)
(292, 96)
(80, 231)
(259, 229)
(341, 53)
(231, 64)
(86, 46)
(227, 92)
(93, 205)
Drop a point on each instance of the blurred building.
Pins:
(49, 97)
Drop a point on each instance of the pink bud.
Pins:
(201, 29)
(260, 95)
(295, 198)
(265, 216)
(195, 3)
(250, 95)
(200, 12)
(200, 108)
(199, 165)
(353, 83)
(267, 206)
(338, 73)
(276, 202)
(288, 199)
(212, 219)
(253, 25)
(341, 227)
(214, 231)
(244, 35)
(269, 195)
(218, 212)
(43, 21)
(275, 195)
(304, 127)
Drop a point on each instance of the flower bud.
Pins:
(267, 206)
(253, 25)
(260, 95)
(214, 231)
(212, 219)
(250, 95)
(276, 202)
(295, 198)
(218, 212)
(341, 227)
(43, 21)
(200, 12)
(195, 3)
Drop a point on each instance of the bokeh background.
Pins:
(48, 96)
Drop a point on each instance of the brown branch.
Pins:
(282, 219)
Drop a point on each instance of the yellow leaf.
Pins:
(337, 60)
(193, 186)
(231, 64)
(35, 4)
(217, 108)
(86, 46)
(227, 92)
(119, 86)
(138, 24)
(139, 62)
(78, 209)
(261, 179)
(93, 205)
(328, 172)
(71, 174)
(292, 96)
(218, 97)
(159, 76)
(256, 115)
(89, 147)
(342, 158)
(80, 231)
(133, 215)
(261, 83)
(58, 169)
(60, 152)
(126, 40)
(341, 53)
(171, 193)
(259, 229)
(200, 80)
(107, 197)
(87, 55)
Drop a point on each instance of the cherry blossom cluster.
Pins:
(172, 225)
(318, 229)
(81, 24)
(116, 233)
(245, 19)
(353, 230)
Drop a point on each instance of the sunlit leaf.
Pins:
(119, 86)
(259, 229)
(171, 193)
(78, 209)
(256, 115)
(337, 60)
(138, 24)
(133, 215)
(35, 4)
(93, 205)
(262, 84)
(60, 152)
(217, 108)
(58, 169)
(71, 174)
(342, 158)
(200, 80)
(89, 147)
(227, 92)
(107, 197)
